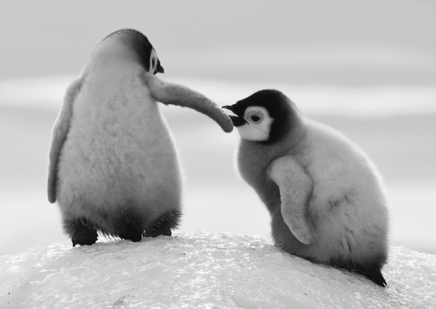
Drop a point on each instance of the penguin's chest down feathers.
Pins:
(118, 144)
(253, 163)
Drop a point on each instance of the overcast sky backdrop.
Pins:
(365, 42)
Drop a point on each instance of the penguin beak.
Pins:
(159, 69)
(237, 121)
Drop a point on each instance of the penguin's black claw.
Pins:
(83, 235)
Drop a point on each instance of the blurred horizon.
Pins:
(366, 68)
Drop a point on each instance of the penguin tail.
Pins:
(129, 225)
(371, 271)
(374, 275)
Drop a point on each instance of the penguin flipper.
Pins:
(295, 187)
(174, 94)
(59, 135)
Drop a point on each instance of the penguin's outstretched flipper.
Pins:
(175, 94)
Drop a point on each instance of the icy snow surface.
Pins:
(204, 270)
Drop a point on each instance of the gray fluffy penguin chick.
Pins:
(113, 166)
(324, 195)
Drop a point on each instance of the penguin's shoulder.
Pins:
(326, 141)
(122, 81)
(330, 157)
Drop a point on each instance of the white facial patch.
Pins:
(258, 124)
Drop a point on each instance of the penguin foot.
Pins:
(81, 232)
(164, 224)
(162, 227)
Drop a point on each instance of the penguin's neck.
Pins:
(111, 66)
(106, 76)
(113, 86)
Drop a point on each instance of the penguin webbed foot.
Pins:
(81, 232)
(163, 225)
(157, 229)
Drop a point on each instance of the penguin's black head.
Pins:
(141, 46)
(265, 116)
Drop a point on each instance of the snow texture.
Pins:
(204, 270)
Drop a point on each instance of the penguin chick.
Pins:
(113, 166)
(322, 192)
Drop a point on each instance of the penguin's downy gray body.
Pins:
(324, 195)
(113, 165)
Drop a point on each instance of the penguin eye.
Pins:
(254, 116)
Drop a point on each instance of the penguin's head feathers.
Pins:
(257, 124)
(132, 45)
(265, 116)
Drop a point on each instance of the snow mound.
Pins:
(204, 270)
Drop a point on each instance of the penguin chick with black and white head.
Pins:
(113, 165)
(324, 195)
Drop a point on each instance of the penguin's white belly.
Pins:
(118, 151)
(347, 206)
